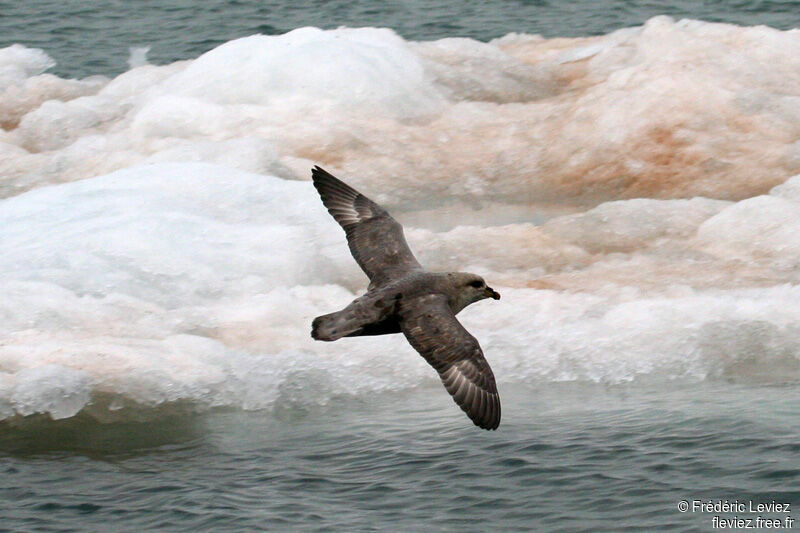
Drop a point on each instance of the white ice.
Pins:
(191, 282)
(630, 195)
(671, 109)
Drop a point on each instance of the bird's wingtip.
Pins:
(488, 426)
(318, 172)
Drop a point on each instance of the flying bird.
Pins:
(403, 297)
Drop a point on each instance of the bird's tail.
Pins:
(367, 312)
(335, 325)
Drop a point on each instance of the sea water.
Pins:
(633, 195)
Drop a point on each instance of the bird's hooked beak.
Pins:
(491, 293)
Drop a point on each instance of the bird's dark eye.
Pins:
(477, 284)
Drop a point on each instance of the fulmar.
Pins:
(403, 297)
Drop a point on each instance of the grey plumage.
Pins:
(404, 297)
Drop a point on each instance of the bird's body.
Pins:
(375, 313)
(403, 297)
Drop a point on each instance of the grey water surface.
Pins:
(87, 38)
(568, 457)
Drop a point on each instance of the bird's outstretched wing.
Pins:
(432, 329)
(376, 240)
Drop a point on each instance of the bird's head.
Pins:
(472, 288)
